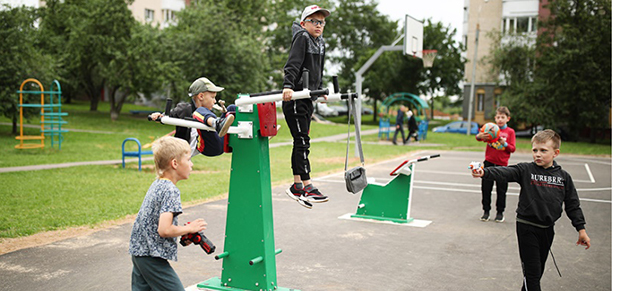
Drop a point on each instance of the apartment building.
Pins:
(162, 12)
(17, 3)
(506, 16)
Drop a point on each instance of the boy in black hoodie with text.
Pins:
(307, 53)
(545, 186)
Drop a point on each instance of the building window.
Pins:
(522, 24)
(534, 24)
(149, 15)
(168, 15)
(480, 101)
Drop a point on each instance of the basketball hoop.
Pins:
(428, 56)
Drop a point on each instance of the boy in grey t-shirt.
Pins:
(153, 236)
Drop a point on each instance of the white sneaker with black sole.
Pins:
(298, 195)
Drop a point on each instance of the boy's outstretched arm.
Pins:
(584, 239)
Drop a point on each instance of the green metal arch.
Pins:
(420, 105)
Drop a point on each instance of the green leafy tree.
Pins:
(209, 41)
(513, 59)
(565, 78)
(573, 69)
(139, 69)
(448, 67)
(356, 30)
(87, 36)
(22, 57)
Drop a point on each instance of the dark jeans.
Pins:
(150, 273)
(412, 133)
(534, 245)
(298, 114)
(402, 133)
(487, 188)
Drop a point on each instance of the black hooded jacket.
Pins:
(543, 191)
(306, 52)
(183, 110)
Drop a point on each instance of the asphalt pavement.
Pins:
(452, 250)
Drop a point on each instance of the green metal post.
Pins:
(248, 260)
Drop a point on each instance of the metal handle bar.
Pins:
(425, 158)
(303, 94)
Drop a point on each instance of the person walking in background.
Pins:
(400, 121)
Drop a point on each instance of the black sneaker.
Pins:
(314, 195)
(485, 216)
(298, 195)
(499, 217)
(222, 124)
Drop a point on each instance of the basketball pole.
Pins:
(359, 79)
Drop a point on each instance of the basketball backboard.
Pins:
(414, 35)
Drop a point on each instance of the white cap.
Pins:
(313, 9)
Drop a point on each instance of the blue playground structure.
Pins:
(422, 113)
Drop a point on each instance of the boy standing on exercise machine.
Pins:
(307, 52)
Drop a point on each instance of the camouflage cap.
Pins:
(202, 85)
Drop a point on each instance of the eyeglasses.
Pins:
(316, 22)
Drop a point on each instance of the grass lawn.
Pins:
(35, 201)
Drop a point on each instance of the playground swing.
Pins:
(248, 259)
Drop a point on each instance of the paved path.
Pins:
(456, 251)
(333, 138)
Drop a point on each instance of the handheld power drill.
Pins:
(198, 238)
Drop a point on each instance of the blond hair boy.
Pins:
(154, 232)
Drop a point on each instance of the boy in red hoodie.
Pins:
(497, 154)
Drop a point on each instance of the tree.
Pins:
(91, 34)
(22, 57)
(208, 41)
(356, 30)
(513, 60)
(565, 79)
(140, 69)
(448, 67)
(573, 68)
